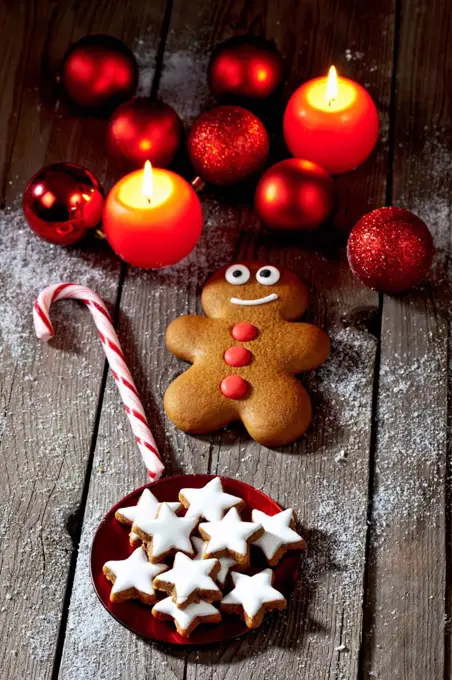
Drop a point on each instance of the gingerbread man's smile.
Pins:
(258, 301)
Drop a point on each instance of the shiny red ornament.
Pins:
(141, 130)
(246, 66)
(99, 72)
(62, 202)
(227, 144)
(295, 194)
(390, 250)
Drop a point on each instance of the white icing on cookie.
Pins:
(134, 572)
(257, 301)
(188, 576)
(146, 507)
(210, 501)
(230, 533)
(253, 592)
(277, 531)
(185, 617)
(168, 531)
(225, 562)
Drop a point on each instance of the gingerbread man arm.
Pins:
(306, 347)
(188, 336)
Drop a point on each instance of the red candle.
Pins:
(152, 218)
(332, 121)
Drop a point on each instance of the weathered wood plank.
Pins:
(330, 496)
(149, 301)
(49, 395)
(407, 579)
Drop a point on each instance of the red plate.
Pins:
(111, 542)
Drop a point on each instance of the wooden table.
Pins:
(370, 481)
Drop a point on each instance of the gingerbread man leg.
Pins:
(277, 412)
(194, 403)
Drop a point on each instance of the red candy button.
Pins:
(238, 356)
(234, 387)
(244, 331)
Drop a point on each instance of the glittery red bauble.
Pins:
(390, 250)
(99, 72)
(245, 66)
(227, 144)
(62, 202)
(295, 194)
(141, 130)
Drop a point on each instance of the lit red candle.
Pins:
(152, 218)
(332, 121)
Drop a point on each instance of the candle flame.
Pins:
(148, 184)
(331, 86)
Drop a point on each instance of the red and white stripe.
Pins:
(113, 351)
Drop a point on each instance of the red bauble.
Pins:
(227, 144)
(295, 194)
(62, 202)
(99, 72)
(245, 66)
(141, 130)
(390, 250)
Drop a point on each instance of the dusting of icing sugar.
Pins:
(183, 82)
(355, 55)
(89, 627)
(411, 474)
(412, 468)
(340, 384)
(28, 264)
(144, 51)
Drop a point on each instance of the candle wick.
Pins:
(331, 101)
(149, 200)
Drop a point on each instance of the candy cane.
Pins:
(115, 357)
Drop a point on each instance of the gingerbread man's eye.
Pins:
(268, 275)
(237, 274)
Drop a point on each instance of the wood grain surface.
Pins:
(369, 481)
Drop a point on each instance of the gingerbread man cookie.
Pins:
(246, 353)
